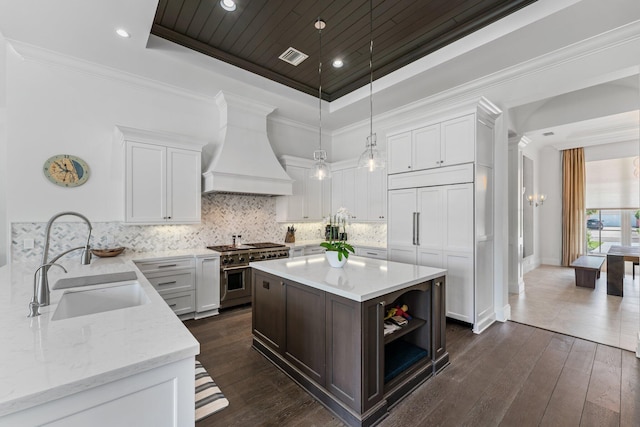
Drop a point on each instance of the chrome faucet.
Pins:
(41, 292)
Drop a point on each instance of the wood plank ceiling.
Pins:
(258, 31)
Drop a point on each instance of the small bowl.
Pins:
(102, 253)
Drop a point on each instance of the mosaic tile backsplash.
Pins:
(253, 217)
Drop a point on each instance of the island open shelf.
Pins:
(334, 345)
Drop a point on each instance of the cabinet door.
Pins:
(183, 186)
(349, 192)
(145, 200)
(399, 152)
(295, 202)
(207, 284)
(361, 196)
(458, 140)
(377, 195)
(268, 309)
(430, 220)
(458, 218)
(337, 190)
(426, 147)
(406, 254)
(430, 258)
(402, 207)
(313, 198)
(305, 328)
(459, 285)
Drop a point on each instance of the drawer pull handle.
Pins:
(438, 284)
(167, 283)
(172, 305)
(371, 253)
(167, 265)
(265, 284)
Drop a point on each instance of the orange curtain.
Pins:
(573, 204)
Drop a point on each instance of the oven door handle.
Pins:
(235, 268)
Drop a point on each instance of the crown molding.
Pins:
(474, 90)
(28, 52)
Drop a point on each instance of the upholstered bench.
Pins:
(587, 269)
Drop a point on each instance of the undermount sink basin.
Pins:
(96, 279)
(91, 301)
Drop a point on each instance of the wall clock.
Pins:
(66, 170)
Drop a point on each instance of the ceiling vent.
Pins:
(293, 56)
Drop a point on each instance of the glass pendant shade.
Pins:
(372, 158)
(320, 169)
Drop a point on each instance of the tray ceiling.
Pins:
(259, 31)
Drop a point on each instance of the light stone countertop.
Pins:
(42, 360)
(360, 279)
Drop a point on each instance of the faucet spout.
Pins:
(42, 292)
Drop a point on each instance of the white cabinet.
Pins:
(361, 192)
(367, 252)
(314, 250)
(175, 281)
(310, 200)
(441, 207)
(446, 143)
(207, 286)
(162, 176)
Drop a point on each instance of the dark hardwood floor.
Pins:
(510, 375)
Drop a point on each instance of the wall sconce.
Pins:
(538, 199)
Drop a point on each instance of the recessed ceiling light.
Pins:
(338, 63)
(228, 5)
(123, 33)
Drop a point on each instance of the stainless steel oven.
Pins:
(235, 273)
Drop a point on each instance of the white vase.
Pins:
(332, 257)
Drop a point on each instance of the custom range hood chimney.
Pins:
(244, 161)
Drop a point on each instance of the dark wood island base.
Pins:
(334, 347)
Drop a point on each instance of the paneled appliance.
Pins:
(235, 273)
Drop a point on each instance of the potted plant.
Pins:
(637, 218)
(337, 252)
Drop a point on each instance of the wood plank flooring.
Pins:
(510, 375)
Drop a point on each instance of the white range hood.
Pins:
(244, 161)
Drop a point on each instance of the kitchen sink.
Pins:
(96, 279)
(90, 301)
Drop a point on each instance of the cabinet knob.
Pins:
(409, 167)
(438, 284)
(281, 283)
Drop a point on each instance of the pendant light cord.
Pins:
(371, 75)
(319, 25)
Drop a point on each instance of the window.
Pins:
(612, 194)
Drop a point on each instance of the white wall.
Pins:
(532, 261)
(550, 226)
(62, 109)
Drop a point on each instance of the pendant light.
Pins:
(320, 169)
(371, 158)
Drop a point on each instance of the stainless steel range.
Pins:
(235, 273)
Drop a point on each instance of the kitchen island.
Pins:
(102, 369)
(324, 327)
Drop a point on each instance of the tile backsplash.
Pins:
(223, 215)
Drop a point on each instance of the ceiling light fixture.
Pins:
(123, 33)
(371, 158)
(228, 5)
(338, 63)
(320, 170)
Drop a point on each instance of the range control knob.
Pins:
(225, 260)
(251, 258)
(241, 259)
(230, 261)
(263, 256)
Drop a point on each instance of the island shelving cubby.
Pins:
(334, 346)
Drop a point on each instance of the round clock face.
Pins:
(66, 170)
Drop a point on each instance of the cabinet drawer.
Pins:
(313, 250)
(181, 302)
(175, 281)
(372, 253)
(165, 264)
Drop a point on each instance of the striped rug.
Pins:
(209, 398)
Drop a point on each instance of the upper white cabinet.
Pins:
(162, 176)
(361, 192)
(311, 198)
(450, 142)
(441, 198)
